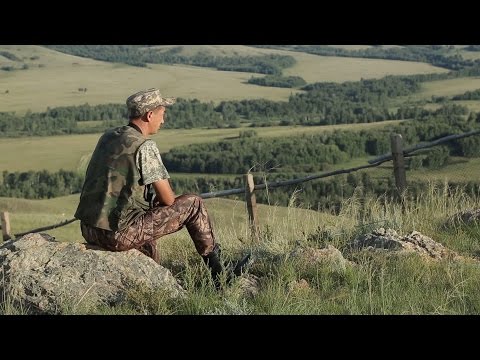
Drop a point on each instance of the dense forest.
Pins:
(282, 158)
(317, 152)
(278, 81)
(322, 194)
(40, 184)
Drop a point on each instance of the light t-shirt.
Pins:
(151, 168)
(150, 164)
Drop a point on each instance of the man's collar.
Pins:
(135, 127)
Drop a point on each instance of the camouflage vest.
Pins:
(112, 195)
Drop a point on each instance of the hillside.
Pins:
(305, 260)
(52, 78)
(373, 259)
(228, 216)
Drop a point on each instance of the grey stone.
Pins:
(51, 277)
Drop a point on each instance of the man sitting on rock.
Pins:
(127, 202)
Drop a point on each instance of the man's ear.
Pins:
(148, 116)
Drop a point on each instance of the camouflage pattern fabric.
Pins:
(188, 211)
(149, 161)
(112, 196)
(146, 100)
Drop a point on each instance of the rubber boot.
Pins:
(241, 265)
(213, 261)
(217, 266)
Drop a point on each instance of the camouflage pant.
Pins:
(188, 210)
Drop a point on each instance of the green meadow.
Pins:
(70, 152)
(449, 87)
(441, 88)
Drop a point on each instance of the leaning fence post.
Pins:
(251, 205)
(398, 163)
(5, 219)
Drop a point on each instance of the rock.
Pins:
(249, 284)
(388, 240)
(51, 277)
(464, 217)
(329, 255)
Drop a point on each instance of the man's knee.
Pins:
(189, 200)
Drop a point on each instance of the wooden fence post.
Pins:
(251, 205)
(5, 219)
(398, 163)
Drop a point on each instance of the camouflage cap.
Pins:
(146, 100)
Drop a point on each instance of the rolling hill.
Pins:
(53, 79)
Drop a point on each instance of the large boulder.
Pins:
(51, 277)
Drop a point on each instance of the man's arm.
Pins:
(164, 192)
(154, 173)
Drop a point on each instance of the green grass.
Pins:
(472, 105)
(71, 152)
(340, 69)
(229, 215)
(458, 169)
(215, 50)
(56, 83)
(448, 87)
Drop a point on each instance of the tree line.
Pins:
(40, 184)
(469, 95)
(438, 55)
(322, 104)
(322, 194)
(66, 119)
(278, 81)
(141, 55)
(317, 152)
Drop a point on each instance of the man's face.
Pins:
(157, 119)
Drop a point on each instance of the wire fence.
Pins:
(397, 154)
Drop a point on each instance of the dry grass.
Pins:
(469, 55)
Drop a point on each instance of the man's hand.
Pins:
(165, 195)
